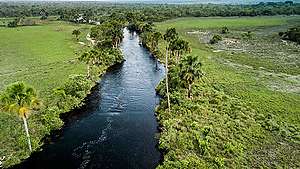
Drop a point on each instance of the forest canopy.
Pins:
(100, 11)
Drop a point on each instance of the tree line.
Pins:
(91, 11)
(186, 68)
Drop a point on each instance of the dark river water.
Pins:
(116, 128)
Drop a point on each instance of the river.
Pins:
(116, 128)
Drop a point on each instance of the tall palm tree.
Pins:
(116, 33)
(156, 36)
(170, 36)
(22, 99)
(190, 70)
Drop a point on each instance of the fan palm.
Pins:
(190, 70)
(179, 47)
(170, 36)
(21, 99)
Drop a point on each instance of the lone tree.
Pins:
(170, 36)
(21, 99)
(190, 70)
(76, 33)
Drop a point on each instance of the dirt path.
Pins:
(88, 37)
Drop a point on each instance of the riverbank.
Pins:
(233, 120)
(54, 70)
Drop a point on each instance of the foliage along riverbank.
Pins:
(209, 128)
(62, 99)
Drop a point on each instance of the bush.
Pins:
(248, 35)
(293, 34)
(13, 24)
(225, 30)
(71, 94)
(215, 39)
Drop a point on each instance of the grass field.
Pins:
(267, 83)
(184, 24)
(243, 84)
(39, 54)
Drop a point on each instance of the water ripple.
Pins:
(86, 150)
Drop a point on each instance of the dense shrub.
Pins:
(13, 23)
(224, 30)
(215, 39)
(247, 35)
(215, 130)
(293, 34)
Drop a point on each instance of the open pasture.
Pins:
(42, 55)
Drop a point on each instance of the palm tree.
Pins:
(179, 47)
(76, 32)
(116, 32)
(91, 58)
(22, 99)
(169, 36)
(184, 47)
(148, 27)
(156, 36)
(190, 70)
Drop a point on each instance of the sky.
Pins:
(173, 1)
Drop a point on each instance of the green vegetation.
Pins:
(189, 71)
(215, 39)
(46, 57)
(231, 103)
(76, 33)
(292, 34)
(20, 99)
(193, 23)
(82, 12)
(233, 119)
(39, 54)
(225, 30)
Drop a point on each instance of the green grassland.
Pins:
(184, 24)
(43, 56)
(265, 133)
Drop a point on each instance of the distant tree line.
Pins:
(101, 12)
(21, 21)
